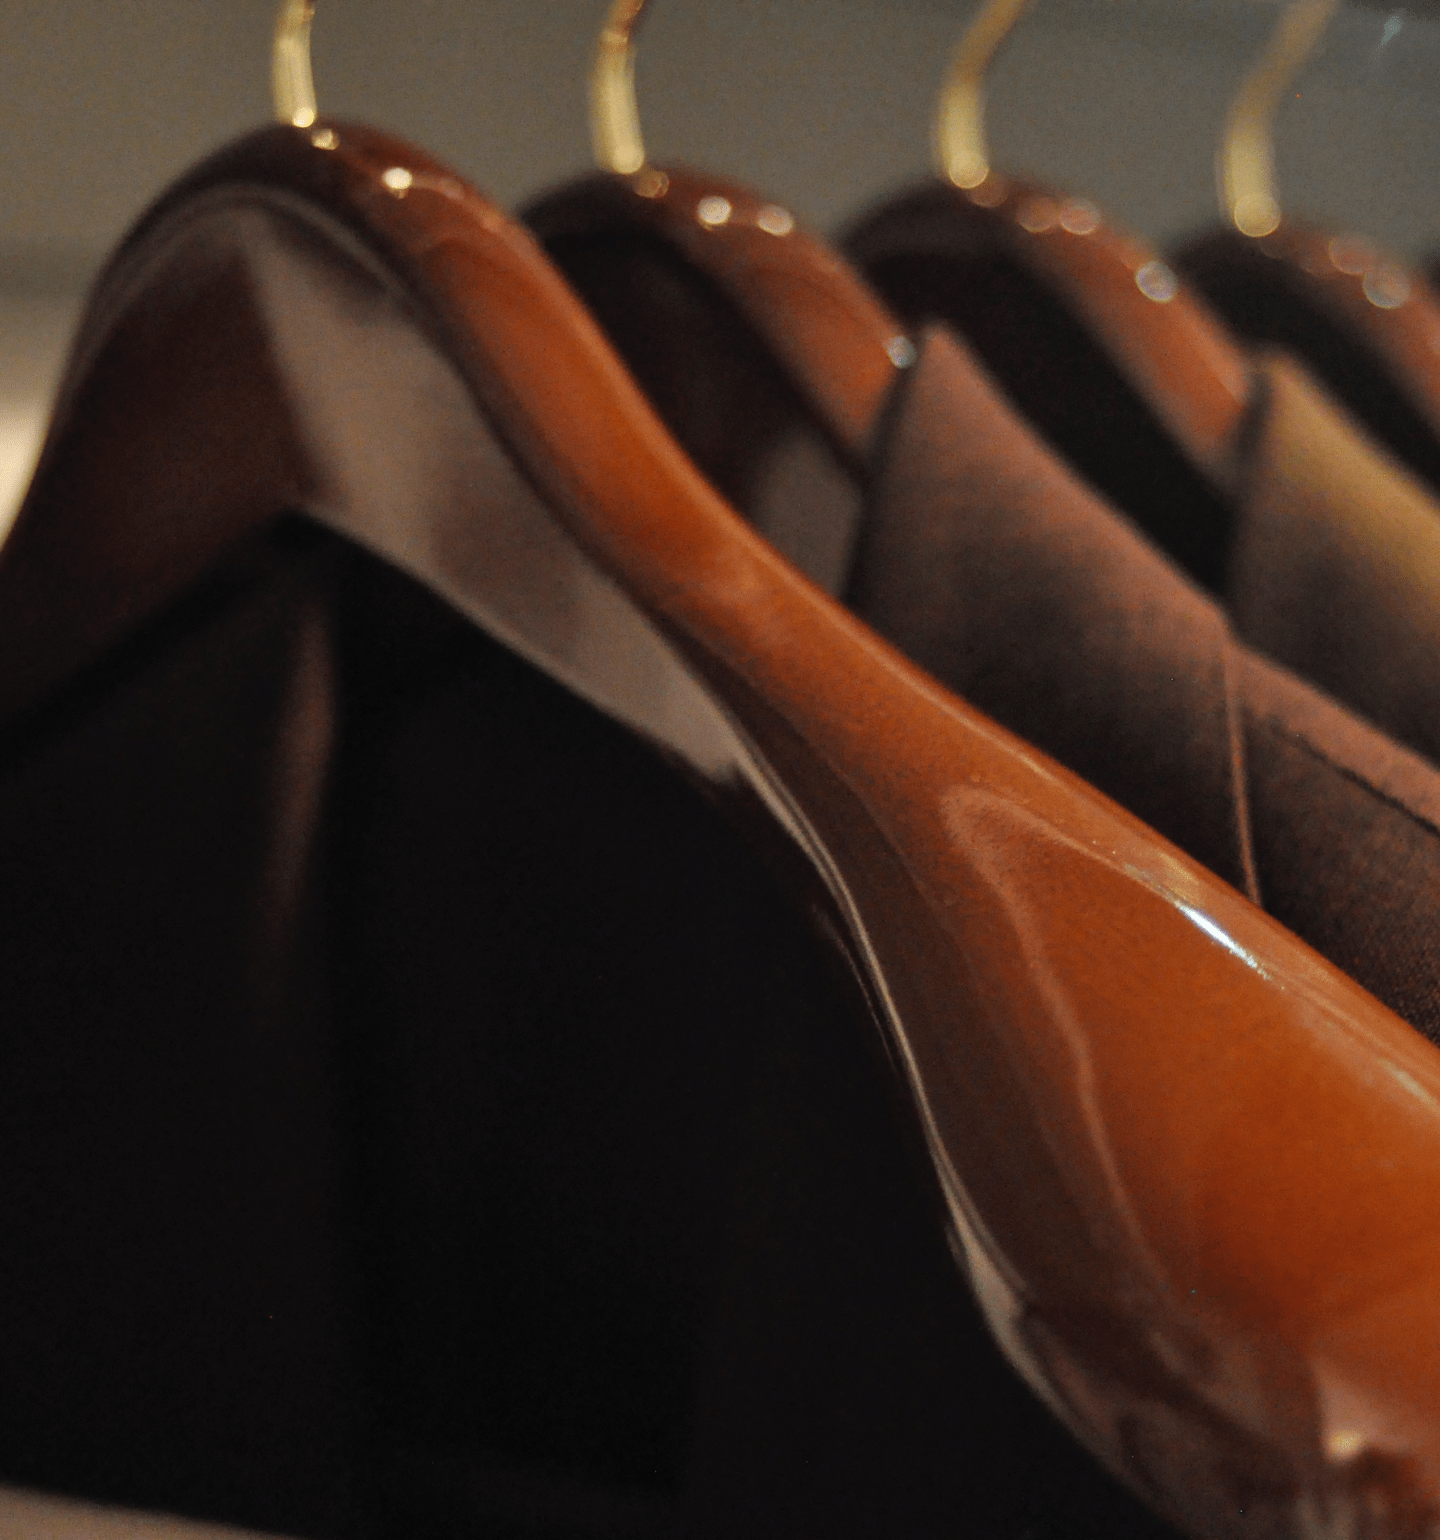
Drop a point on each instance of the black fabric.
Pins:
(557, 962)
(424, 1118)
(389, 1116)
(853, 1391)
(176, 1322)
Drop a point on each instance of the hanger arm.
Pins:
(1118, 1065)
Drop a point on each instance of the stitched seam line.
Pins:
(1356, 779)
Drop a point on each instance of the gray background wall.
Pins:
(822, 102)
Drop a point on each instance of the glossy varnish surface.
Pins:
(1191, 1168)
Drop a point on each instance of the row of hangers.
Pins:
(1029, 275)
(1368, 328)
(321, 319)
(1127, 370)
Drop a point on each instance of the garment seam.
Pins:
(1355, 778)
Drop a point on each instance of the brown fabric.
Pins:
(989, 563)
(1335, 570)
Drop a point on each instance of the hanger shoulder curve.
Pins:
(840, 344)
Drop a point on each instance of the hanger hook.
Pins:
(960, 148)
(292, 85)
(614, 115)
(1246, 162)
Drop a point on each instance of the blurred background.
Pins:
(825, 104)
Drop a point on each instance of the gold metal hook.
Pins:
(614, 115)
(1246, 161)
(292, 85)
(960, 147)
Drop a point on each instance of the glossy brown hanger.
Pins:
(1190, 1167)
(635, 239)
(1087, 329)
(1364, 323)
(824, 324)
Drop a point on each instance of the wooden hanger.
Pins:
(1367, 325)
(1190, 1167)
(1087, 329)
(659, 253)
